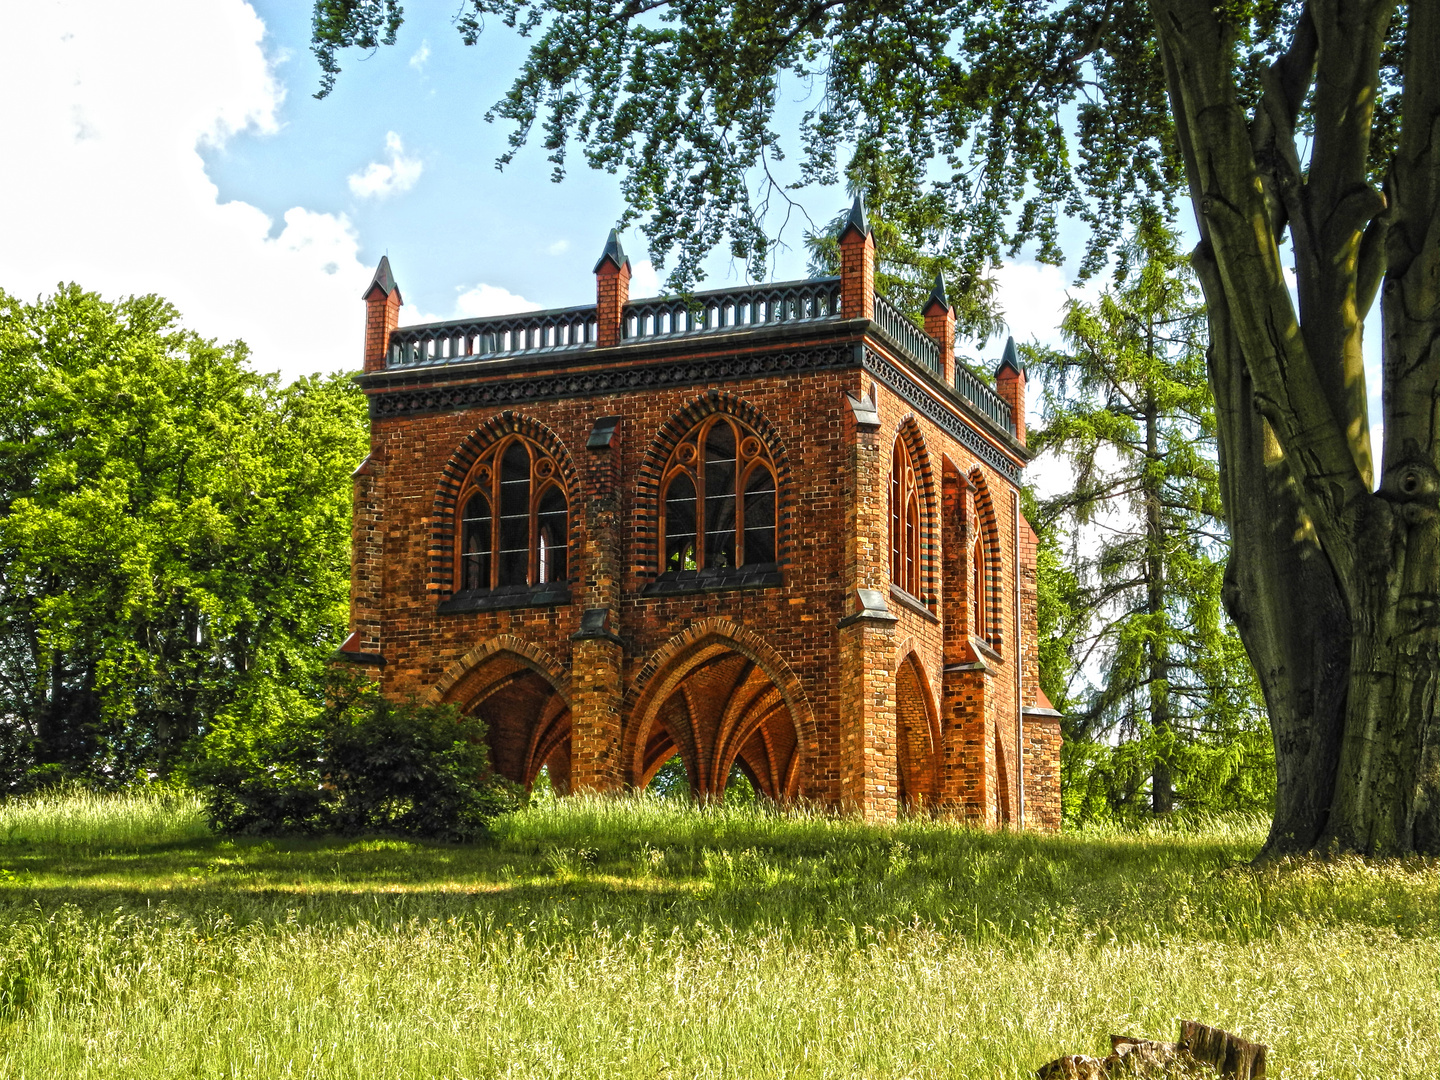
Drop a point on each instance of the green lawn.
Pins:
(644, 939)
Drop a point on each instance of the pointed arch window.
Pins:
(905, 521)
(718, 509)
(514, 520)
(977, 590)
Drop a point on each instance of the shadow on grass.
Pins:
(558, 874)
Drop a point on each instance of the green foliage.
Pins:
(174, 535)
(1175, 704)
(358, 763)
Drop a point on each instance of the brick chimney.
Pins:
(940, 325)
(1010, 384)
(857, 265)
(612, 292)
(382, 314)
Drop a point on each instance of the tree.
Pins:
(1299, 122)
(1128, 406)
(174, 534)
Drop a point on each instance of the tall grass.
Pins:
(78, 817)
(631, 938)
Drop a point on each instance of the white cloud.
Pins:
(417, 61)
(379, 180)
(478, 302)
(559, 247)
(1032, 296)
(643, 279)
(103, 160)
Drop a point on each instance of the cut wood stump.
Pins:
(1201, 1052)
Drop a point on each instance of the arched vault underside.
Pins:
(717, 708)
(917, 740)
(526, 715)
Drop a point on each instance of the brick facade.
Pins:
(813, 674)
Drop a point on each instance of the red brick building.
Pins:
(776, 528)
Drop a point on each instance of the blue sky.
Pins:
(174, 146)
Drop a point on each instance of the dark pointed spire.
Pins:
(1010, 358)
(383, 278)
(856, 220)
(937, 295)
(614, 252)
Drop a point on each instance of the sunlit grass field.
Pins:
(641, 938)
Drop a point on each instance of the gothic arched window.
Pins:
(977, 590)
(718, 502)
(514, 519)
(904, 521)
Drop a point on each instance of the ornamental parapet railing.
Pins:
(745, 308)
(920, 346)
(492, 338)
(973, 389)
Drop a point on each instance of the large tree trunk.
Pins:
(1280, 592)
(1360, 571)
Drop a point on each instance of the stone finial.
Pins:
(856, 221)
(614, 253)
(937, 296)
(612, 292)
(940, 325)
(382, 314)
(857, 265)
(1010, 384)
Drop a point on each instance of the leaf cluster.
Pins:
(357, 763)
(174, 534)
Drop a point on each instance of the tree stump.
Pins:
(1201, 1052)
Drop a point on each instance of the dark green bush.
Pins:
(362, 764)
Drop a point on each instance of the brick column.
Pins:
(367, 555)
(1010, 385)
(612, 292)
(382, 315)
(868, 778)
(857, 265)
(940, 325)
(597, 656)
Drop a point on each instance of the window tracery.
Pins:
(905, 563)
(514, 521)
(718, 508)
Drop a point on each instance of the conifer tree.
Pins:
(1128, 406)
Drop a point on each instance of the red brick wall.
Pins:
(957, 703)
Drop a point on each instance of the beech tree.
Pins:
(1299, 125)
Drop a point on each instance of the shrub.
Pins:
(360, 764)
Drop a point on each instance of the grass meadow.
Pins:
(642, 938)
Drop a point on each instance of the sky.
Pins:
(175, 147)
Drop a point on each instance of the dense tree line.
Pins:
(174, 538)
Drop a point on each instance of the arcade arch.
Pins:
(523, 697)
(719, 697)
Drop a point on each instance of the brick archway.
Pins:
(909, 433)
(649, 475)
(452, 479)
(718, 694)
(917, 733)
(989, 531)
(523, 695)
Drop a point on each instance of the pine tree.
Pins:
(1128, 406)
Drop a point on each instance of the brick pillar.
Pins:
(940, 325)
(1042, 769)
(612, 292)
(1010, 385)
(597, 656)
(857, 265)
(382, 314)
(868, 778)
(367, 555)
